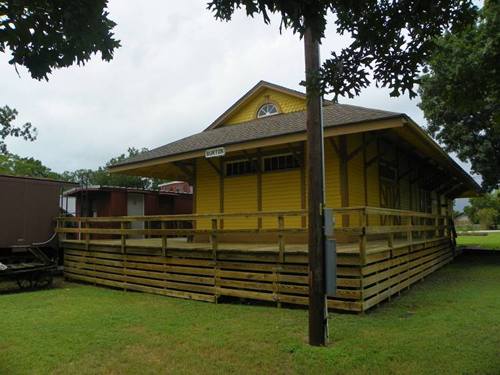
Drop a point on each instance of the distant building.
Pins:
(97, 201)
(176, 187)
(462, 220)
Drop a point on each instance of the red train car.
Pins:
(28, 247)
(98, 201)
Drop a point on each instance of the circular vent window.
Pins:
(267, 109)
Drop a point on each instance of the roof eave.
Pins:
(333, 130)
(472, 184)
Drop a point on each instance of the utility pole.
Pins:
(318, 324)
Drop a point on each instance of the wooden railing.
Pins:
(175, 226)
(382, 229)
(367, 230)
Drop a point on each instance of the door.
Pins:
(135, 207)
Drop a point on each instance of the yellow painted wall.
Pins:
(355, 172)
(332, 177)
(404, 186)
(207, 191)
(281, 192)
(373, 185)
(240, 195)
(286, 103)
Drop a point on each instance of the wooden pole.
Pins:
(318, 329)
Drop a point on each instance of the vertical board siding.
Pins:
(373, 178)
(404, 187)
(240, 195)
(356, 183)
(332, 177)
(281, 192)
(355, 170)
(208, 193)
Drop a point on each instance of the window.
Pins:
(280, 162)
(267, 109)
(239, 167)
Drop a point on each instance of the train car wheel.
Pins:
(43, 280)
(25, 282)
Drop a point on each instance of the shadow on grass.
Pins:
(479, 257)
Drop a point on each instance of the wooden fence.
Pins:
(379, 253)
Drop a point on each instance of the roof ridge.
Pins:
(365, 108)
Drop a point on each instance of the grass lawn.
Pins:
(491, 241)
(447, 324)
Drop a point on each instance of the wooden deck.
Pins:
(373, 263)
(180, 244)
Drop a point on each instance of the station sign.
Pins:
(215, 152)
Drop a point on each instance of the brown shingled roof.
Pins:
(266, 127)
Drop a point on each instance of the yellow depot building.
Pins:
(390, 185)
(251, 158)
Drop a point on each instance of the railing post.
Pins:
(390, 241)
(425, 232)
(163, 239)
(410, 230)
(58, 226)
(362, 239)
(410, 245)
(281, 239)
(87, 235)
(214, 239)
(123, 236)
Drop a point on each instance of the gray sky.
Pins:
(177, 70)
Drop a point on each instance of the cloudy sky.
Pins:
(177, 70)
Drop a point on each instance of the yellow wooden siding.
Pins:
(372, 182)
(332, 177)
(355, 172)
(207, 191)
(240, 195)
(248, 111)
(281, 192)
(404, 187)
(373, 186)
(404, 192)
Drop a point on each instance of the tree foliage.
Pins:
(390, 39)
(101, 176)
(7, 117)
(461, 94)
(46, 34)
(485, 209)
(16, 165)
